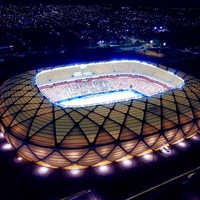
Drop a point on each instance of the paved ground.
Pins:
(166, 175)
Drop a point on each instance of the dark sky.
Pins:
(154, 3)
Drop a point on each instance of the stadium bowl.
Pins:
(79, 137)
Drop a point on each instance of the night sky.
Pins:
(153, 3)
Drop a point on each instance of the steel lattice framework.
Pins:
(89, 136)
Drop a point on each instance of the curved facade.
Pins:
(50, 135)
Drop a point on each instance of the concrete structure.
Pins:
(79, 137)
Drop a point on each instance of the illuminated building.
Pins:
(93, 134)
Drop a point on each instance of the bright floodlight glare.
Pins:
(75, 171)
(43, 170)
(182, 144)
(127, 163)
(103, 169)
(19, 158)
(148, 157)
(7, 146)
(196, 137)
(1, 135)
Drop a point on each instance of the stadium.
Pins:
(93, 114)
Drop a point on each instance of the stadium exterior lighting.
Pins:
(127, 163)
(103, 169)
(1, 135)
(19, 158)
(182, 144)
(75, 172)
(75, 136)
(148, 157)
(7, 146)
(43, 171)
(196, 137)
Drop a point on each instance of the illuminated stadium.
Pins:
(97, 113)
